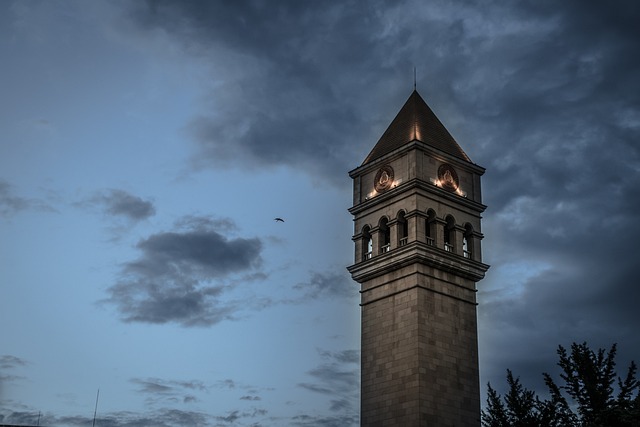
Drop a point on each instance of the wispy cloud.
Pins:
(227, 383)
(161, 418)
(250, 398)
(339, 377)
(8, 361)
(324, 421)
(328, 284)
(11, 204)
(121, 204)
(8, 365)
(161, 390)
(236, 415)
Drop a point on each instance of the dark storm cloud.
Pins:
(563, 168)
(291, 73)
(180, 275)
(11, 203)
(119, 203)
(284, 78)
(545, 95)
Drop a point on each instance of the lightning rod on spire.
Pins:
(414, 78)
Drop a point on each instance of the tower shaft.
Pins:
(419, 350)
(417, 213)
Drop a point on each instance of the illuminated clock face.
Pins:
(448, 177)
(383, 179)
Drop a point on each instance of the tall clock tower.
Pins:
(417, 208)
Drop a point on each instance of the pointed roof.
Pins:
(416, 121)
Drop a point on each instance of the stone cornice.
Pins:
(417, 252)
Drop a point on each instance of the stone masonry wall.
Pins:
(419, 361)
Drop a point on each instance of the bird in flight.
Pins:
(278, 219)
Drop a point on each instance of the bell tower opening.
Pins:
(430, 231)
(367, 243)
(403, 229)
(385, 236)
(467, 246)
(449, 233)
(417, 209)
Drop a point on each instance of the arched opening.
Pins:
(367, 243)
(449, 230)
(403, 229)
(385, 236)
(467, 245)
(430, 230)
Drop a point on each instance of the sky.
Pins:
(147, 146)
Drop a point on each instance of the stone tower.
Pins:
(417, 208)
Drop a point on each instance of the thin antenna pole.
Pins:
(38, 418)
(96, 410)
(414, 78)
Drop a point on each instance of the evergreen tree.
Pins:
(588, 379)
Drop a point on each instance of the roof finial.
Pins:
(414, 77)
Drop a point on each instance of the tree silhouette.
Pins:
(588, 379)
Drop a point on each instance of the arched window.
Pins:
(403, 229)
(429, 230)
(467, 245)
(449, 234)
(367, 243)
(385, 236)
